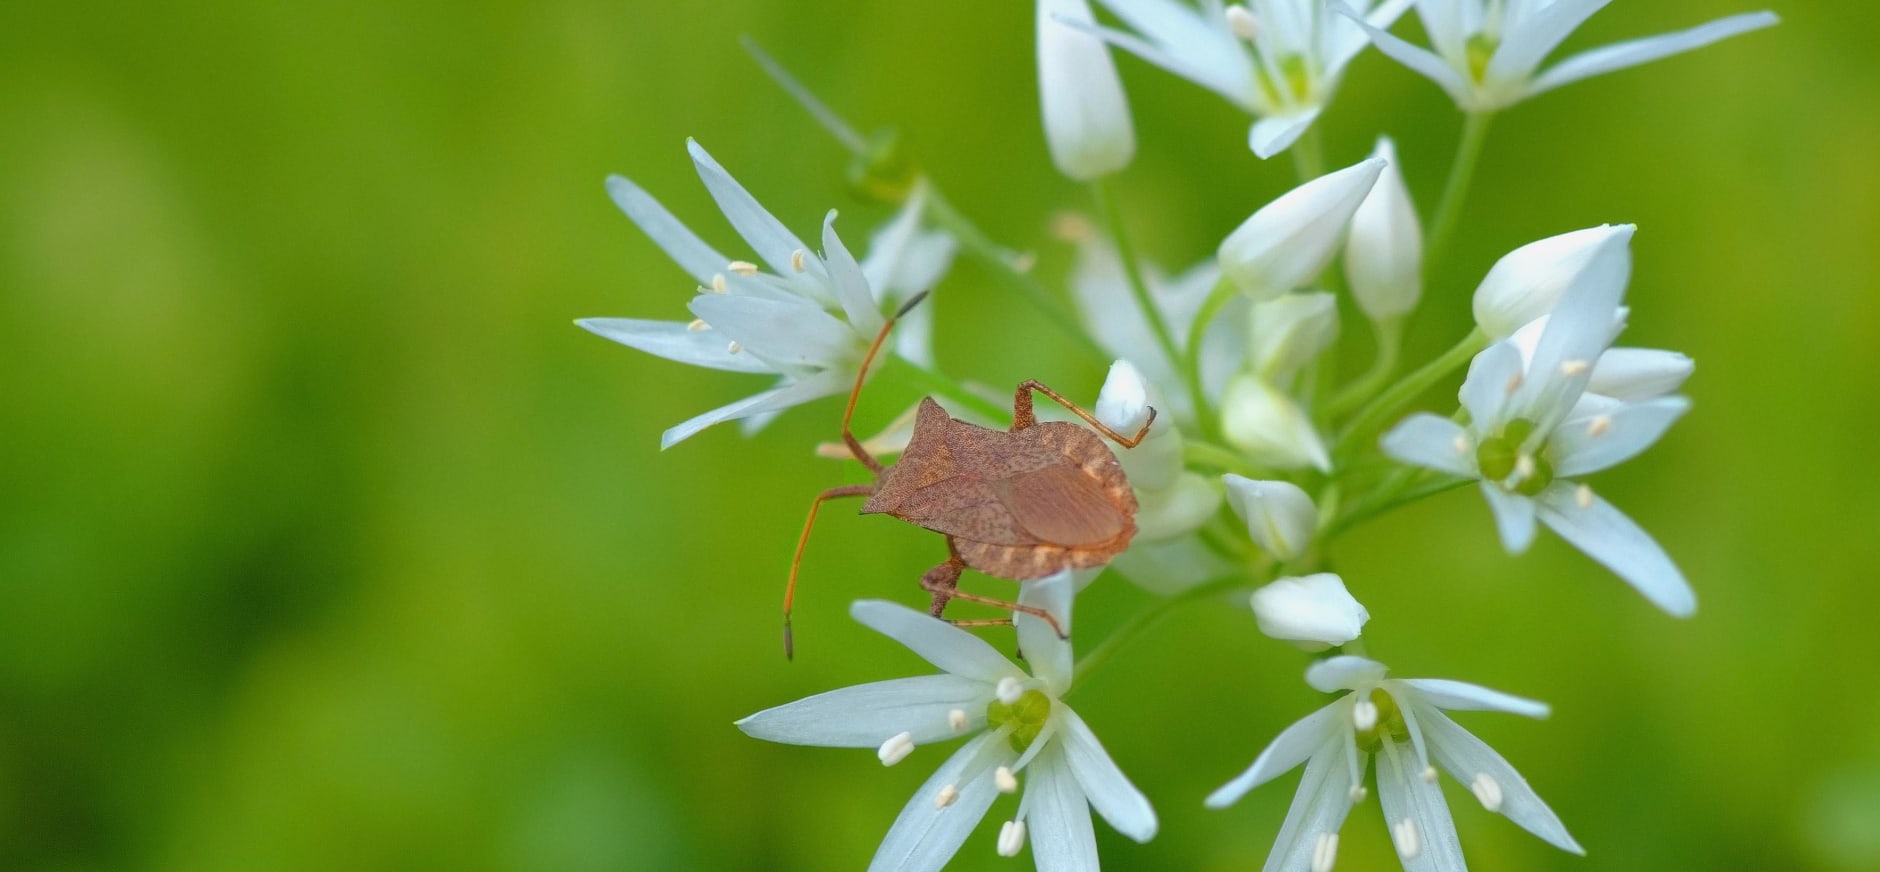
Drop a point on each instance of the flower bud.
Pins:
(1086, 118)
(1262, 421)
(1315, 611)
(1280, 517)
(1123, 405)
(1528, 281)
(1176, 510)
(1290, 240)
(1384, 257)
(1291, 331)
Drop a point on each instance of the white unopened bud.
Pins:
(1315, 611)
(1011, 838)
(1528, 281)
(1086, 117)
(1289, 241)
(1260, 420)
(1122, 405)
(1384, 256)
(1290, 332)
(1280, 516)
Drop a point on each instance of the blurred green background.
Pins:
(327, 541)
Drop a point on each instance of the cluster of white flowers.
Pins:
(1260, 456)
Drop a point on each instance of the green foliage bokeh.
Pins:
(327, 541)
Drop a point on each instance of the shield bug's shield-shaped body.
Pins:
(1019, 504)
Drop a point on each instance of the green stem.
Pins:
(1308, 154)
(1372, 417)
(1389, 349)
(1208, 454)
(1218, 298)
(1461, 173)
(998, 261)
(1143, 620)
(1132, 268)
(1389, 497)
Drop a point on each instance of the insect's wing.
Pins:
(967, 507)
(1060, 505)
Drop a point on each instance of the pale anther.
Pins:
(1514, 383)
(1011, 838)
(956, 719)
(1462, 443)
(1242, 22)
(1599, 425)
(1009, 690)
(1071, 227)
(734, 347)
(1429, 774)
(896, 749)
(1357, 793)
(1325, 852)
(1364, 714)
(1524, 467)
(1574, 367)
(718, 283)
(1487, 790)
(1003, 779)
(796, 259)
(946, 797)
(1409, 844)
(1583, 496)
(1024, 261)
(697, 325)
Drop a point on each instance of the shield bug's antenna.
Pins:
(853, 490)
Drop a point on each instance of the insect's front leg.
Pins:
(1023, 416)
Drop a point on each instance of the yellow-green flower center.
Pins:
(1480, 49)
(1026, 717)
(1389, 724)
(1499, 456)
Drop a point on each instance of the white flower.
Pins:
(1527, 282)
(1315, 611)
(1289, 241)
(1621, 375)
(1280, 517)
(1280, 60)
(1086, 118)
(1401, 723)
(1533, 429)
(1289, 332)
(1015, 725)
(1488, 52)
(1270, 426)
(802, 316)
(1384, 256)
(1171, 501)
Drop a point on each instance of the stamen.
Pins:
(734, 347)
(1487, 790)
(718, 283)
(1461, 443)
(1514, 383)
(896, 749)
(1524, 467)
(1574, 367)
(697, 325)
(742, 267)
(1242, 22)
(957, 720)
(1364, 715)
(1429, 774)
(1325, 851)
(1009, 690)
(1357, 794)
(1003, 778)
(1583, 496)
(1599, 425)
(1071, 227)
(948, 795)
(1404, 834)
(796, 259)
(1011, 838)
(1024, 261)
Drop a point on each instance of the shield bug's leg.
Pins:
(943, 582)
(796, 562)
(861, 375)
(1023, 417)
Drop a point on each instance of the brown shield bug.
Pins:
(1019, 504)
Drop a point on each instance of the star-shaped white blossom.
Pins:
(1533, 428)
(804, 316)
(1488, 53)
(1401, 723)
(1017, 730)
(1280, 60)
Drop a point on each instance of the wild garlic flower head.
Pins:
(1280, 60)
(1019, 736)
(1400, 723)
(1487, 53)
(802, 315)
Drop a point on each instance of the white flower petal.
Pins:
(666, 231)
(1493, 376)
(851, 285)
(1185, 65)
(1578, 330)
(767, 236)
(791, 393)
(903, 258)
(1528, 282)
(1108, 789)
(1288, 242)
(1057, 817)
(1048, 653)
(1405, 796)
(1344, 672)
(1281, 518)
(1293, 745)
(1289, 332)
(674, 341)
(1639, 373)
(1514, 517)
(1344, 39)
(1586, 445)
(924, 837)
(1526, 44)
(1209, 55)
(1086, 117)
(936, 641)
(1270, 426)
(1318, 809)
(1431, 442)
(1463, 696)
(1442, 20)
(1418, 60)
(1608, 536)
(866, 714)
(1276, 133)
(790, 333)
(1618, 56)
(1467, 758)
